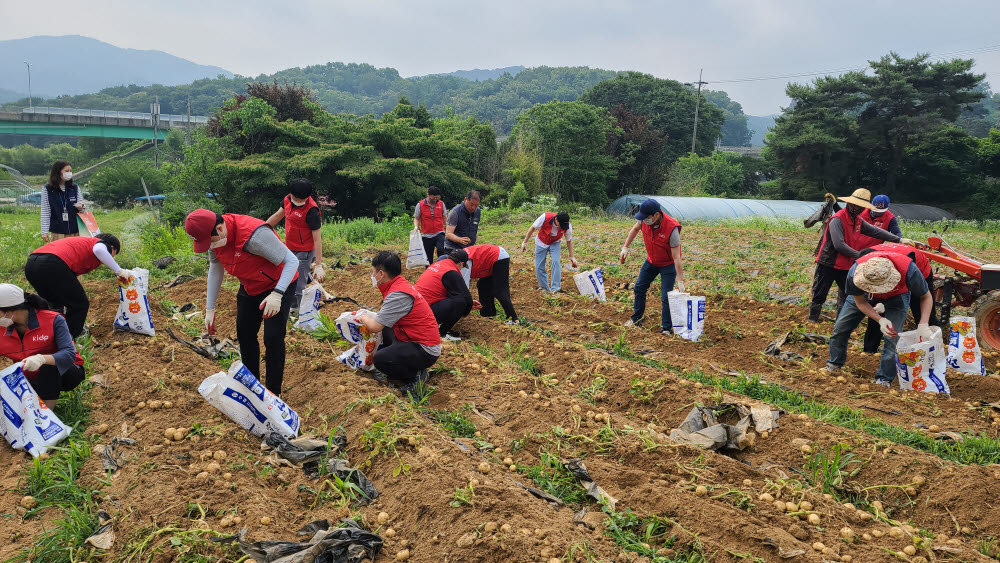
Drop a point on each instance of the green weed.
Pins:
(552, 477)
(463, 496)
(453, 422)
(830, 469)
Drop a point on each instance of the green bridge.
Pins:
(94, 123)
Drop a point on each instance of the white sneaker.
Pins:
(451, 338)
(630, 323)
(882, 382)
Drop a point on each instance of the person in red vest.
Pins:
(302, 233)
(53, 268)
(872, 334)
(445, 290)
(428, 218)
(39, 338)
(881, 217)
(413, 344)
(661, 234)
(250, 250)
(489, 265)
(551, 227)
(846, 234)
(893, 279)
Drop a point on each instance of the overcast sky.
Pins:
(729, 39)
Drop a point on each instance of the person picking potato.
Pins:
(249, 249)
(302, 233)
(661, 234)
(552, 228)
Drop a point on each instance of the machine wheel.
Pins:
(986, 310)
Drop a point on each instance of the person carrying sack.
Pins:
(52, 271)
(428, 218)
(250, 250)
(39, 338)
(413, 344)
(444, 289)
(552, 228)
(894, 280)
(661, 235)
(302, 233)
(845, 236)
(489, 265)
(872, 334)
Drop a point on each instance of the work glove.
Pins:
(908, 241)
(624, 254)
(125, 276)
(32, 363)
(524, 246)
(271, 304)
(886, 326)
(319, 273)
(680, 285)
(476, 305)
(924, 332)
(210, 321)
(572, 262)
(880, 308)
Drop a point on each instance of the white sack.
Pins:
(133, 307)
(248, 403)
(27, 423)
(591, 284)
(920, 366)
(308, 319)
(416, 256)
(362, 354)
(963, 347)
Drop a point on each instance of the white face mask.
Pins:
(67, 176)
(6, 321)
(649, 221)
(297, 202)
(218, 243)
(374, 281)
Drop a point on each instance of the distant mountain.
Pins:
(10, 95)
(759, 126)
(479, 74)
(73, 64)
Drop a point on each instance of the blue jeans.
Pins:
(849, 319)
(647, 274)
(554, 250)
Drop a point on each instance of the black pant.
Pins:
(449, 311)
(436, 242)
(823, 279)
(873, 334)
(400, 361)
(496, 286)
(54, 282)
(248, 320)
(48, 382)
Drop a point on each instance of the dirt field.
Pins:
(571, 384)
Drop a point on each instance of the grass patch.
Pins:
(645, 536)
(453, 422)
(552, 477)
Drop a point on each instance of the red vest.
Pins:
(256, 273)
(298, 235)
(923, 264)
(431, 218)
(419, 325)
(483, 257)
(882, 221)
(76, 252)
(657, 241)
(900, 262)
(429, 283)
(852, 238)
(545, 233)
(40, 340)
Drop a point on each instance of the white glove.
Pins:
(210, 321)
(125, 276)
(908, 241)
(924, 332)
(624, 254)
(271, 304)
(886, 326)
(880, 308)
(524, 246)
(32, 363)
(319, 273)
(680, 285)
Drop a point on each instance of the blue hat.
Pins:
(881, 202)
(647, 208)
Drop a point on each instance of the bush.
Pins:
(118, 183)
(176, 207)
(366, 231)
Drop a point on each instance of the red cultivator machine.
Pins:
(974, 285)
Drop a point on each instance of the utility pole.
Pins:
(154, 114)
(30, 106)
(697, 101)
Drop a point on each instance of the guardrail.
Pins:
(110, 114)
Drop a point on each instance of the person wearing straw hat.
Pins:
(893, 279)
(846, 234)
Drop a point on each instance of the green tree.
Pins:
(719, 174)
(637, 148)
(570, 138)
(118, 183)
(734, 132)
(668, 104)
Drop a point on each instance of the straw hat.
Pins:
(860, 197)
(876, 275)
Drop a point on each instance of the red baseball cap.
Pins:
(200, 225)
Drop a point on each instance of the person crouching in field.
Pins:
(53, 269)
(413, 344)
(489, 264)
(551, 227)
(661, 234)
(40, 339)
(428, 218)
(248, 249)
(892, 279)
(872, 334)
(302, 233)
(444, 289)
